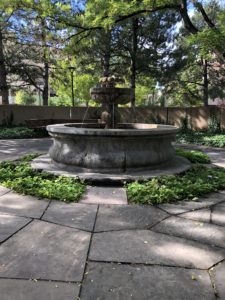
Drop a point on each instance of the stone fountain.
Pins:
(110, 96)
(109, 150)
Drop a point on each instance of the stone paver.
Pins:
(113, 281)
(218, 214)
(13, 149)
(185, 206)
(35, 290)
(217, 156)
(105, 195)
(4, 190)
(10, 224)
(201, 215)
(21, 205)
(46, 251)
(81, 216)
(151, 265)
(219, 275)
(202, 232)
(142, 246)
(114, 217)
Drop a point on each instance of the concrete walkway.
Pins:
(92, 250)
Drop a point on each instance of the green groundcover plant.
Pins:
(21, 133)
(202, 138)
(194, 156)
(20, 177)
(197, 181)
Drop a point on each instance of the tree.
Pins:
(114, 12)
(61, 82)
(4, 91)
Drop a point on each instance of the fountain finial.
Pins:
(110, 81)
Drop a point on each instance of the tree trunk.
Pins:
(4, 90)
(134, 58)
(45, 89)
(45, 61)
(205, 82)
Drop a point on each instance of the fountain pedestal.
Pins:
(110, 97)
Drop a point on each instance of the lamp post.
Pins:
(72, 85)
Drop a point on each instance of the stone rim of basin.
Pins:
(131, 130)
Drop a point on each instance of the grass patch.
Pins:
(21, 133)
(202, 138)
(194, 156)
(20, 177)
(197, 181)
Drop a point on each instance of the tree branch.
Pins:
(199, 6)
(187, 21)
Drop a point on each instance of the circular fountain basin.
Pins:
(111, 95)
(130, 152)
(131, 146)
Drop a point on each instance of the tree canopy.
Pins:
(170, 51)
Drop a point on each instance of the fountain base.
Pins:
(175, 166)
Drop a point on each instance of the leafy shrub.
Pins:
(21, 133)
(194, 156)
(214, 124)
(24, 98)
(198, 181)
(19, 176)
(184, 125)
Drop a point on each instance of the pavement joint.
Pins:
(20, 216)
(189, 210)
(6, 193)
(88, 252)
(194, 220)
(67, 226)
(162, 209)
(17, 231)
(39, 279)
(213, 283)
(49, 202)
(216, 264)
(163, 233)
(147, 264)
(188, 239)
(211, 214)
(167, 217)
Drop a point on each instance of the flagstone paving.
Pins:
(104, 195)
(219, 274)
(35, 290)
(80, 216)
(97, 250)
(15, 148)
(194, 230)
(202, 215)
(113, 281)
(86, 251)
(3, 190)
(111, 217)
(218, 214)
(21, 205)
(10, 224)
